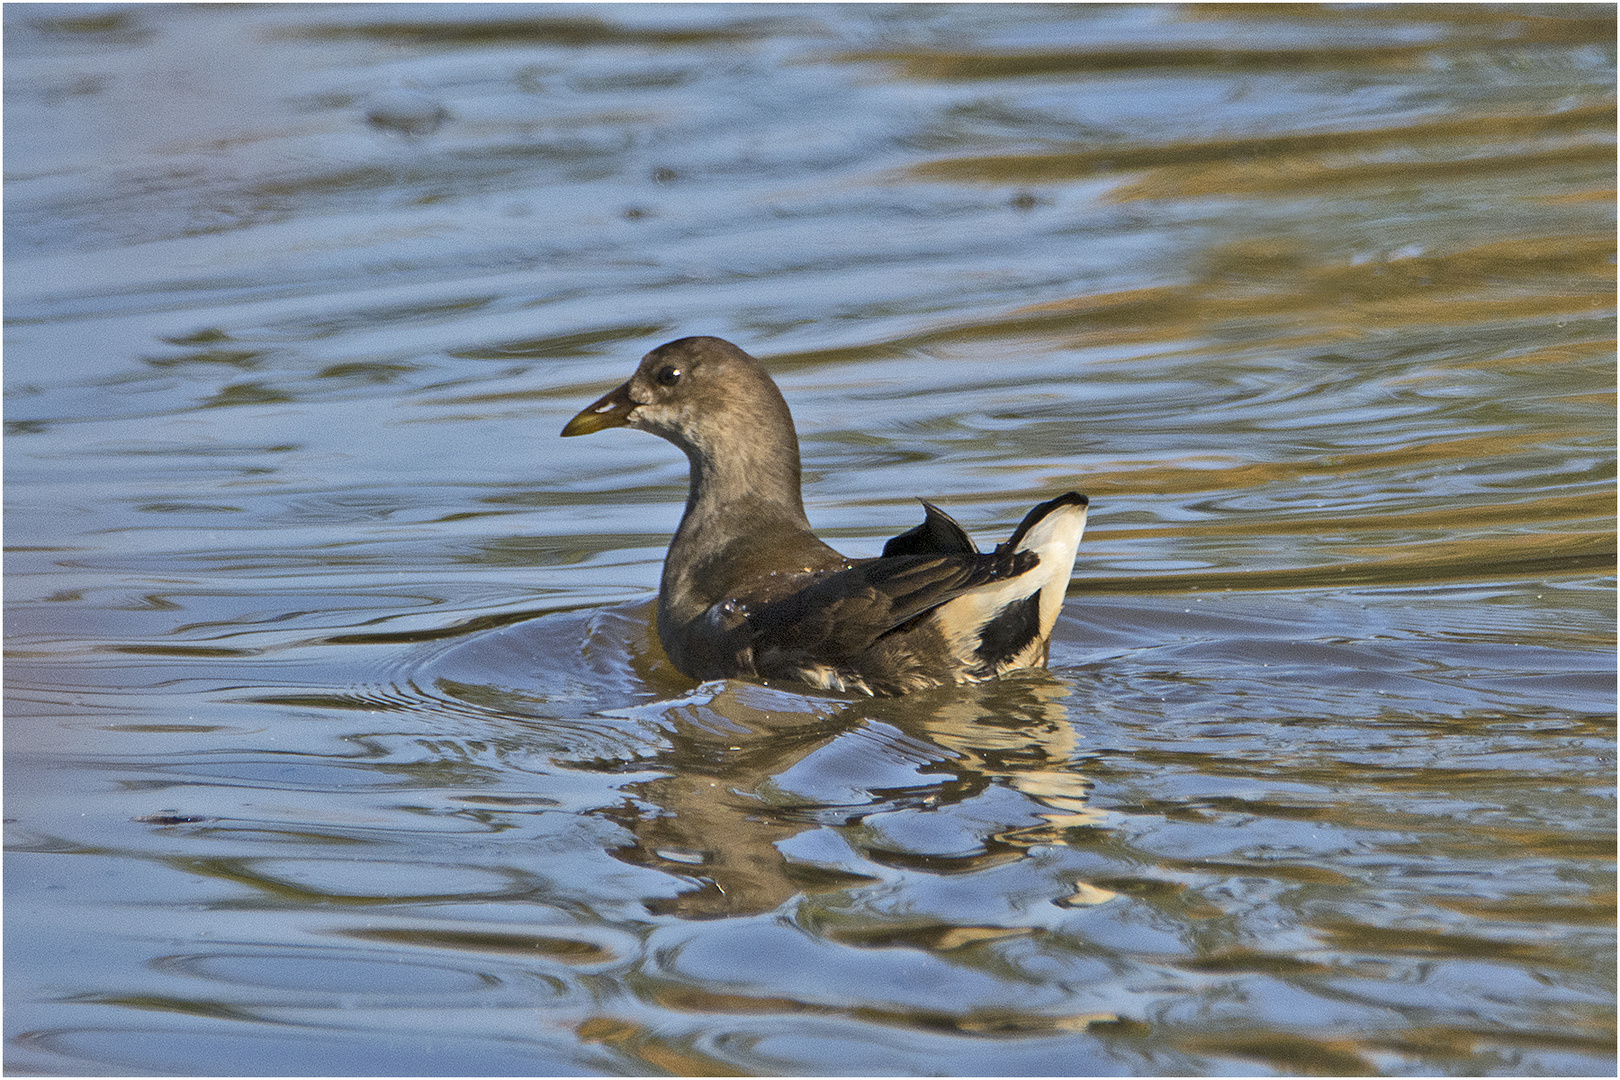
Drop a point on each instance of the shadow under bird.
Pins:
(749, 592)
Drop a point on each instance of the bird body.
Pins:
(748, 591)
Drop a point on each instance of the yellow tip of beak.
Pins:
(611, 410)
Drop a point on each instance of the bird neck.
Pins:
(754, 486)
(744, 512)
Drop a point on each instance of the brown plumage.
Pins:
(748, 591)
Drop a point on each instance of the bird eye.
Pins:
(668, 375)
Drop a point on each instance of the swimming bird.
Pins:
(749, 592)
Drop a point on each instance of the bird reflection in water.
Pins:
(750, 768)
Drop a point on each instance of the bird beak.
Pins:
(612, 410)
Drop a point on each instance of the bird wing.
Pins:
(838, 616)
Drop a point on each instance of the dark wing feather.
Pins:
(939, 534)
(839, 616)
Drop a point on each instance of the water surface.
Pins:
(335, 739)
